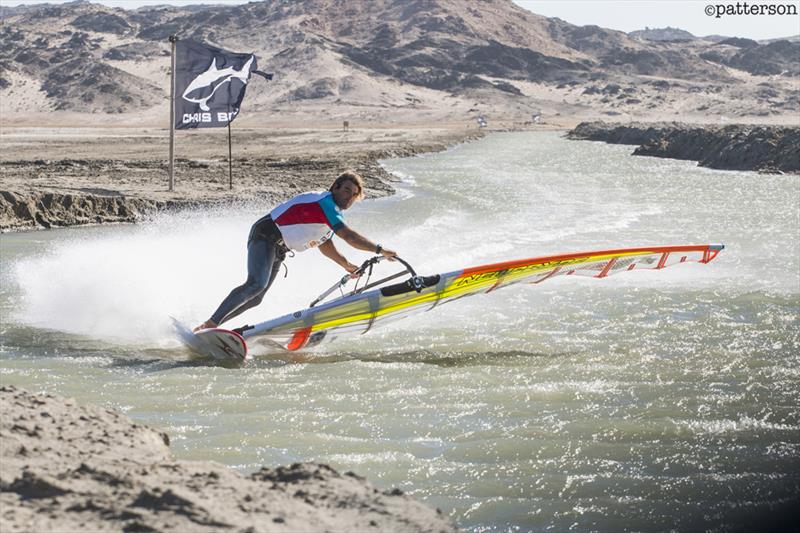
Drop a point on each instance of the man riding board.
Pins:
(306, 221)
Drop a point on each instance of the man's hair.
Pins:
(354, 178)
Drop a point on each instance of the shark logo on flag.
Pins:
(214, 78)
(212, 84)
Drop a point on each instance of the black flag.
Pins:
(209, 84)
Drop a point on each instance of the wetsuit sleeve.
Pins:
(333, 216)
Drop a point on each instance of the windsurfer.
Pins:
(306, 221)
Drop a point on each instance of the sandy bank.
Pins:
(65, 467)
(65, 177)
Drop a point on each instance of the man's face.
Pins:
(345, 194)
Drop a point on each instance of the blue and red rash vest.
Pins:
(308, 220)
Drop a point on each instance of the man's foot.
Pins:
(208, 324)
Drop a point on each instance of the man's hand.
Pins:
(388, 254)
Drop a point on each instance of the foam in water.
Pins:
(118, 284)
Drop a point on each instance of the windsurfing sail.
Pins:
(360, 310)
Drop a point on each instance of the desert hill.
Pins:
(663, 34)
(408, 60)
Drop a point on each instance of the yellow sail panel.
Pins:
(358, 313)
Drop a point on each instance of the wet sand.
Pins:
(68, 467)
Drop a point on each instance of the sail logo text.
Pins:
(495, 274)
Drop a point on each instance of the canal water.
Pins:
(646, 401)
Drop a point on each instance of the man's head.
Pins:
(347, 188)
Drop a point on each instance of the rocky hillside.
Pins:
(733, 147)
(779, 58)
(663, 34)
(451, 57)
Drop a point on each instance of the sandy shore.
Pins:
(66, 467)
(61, 177)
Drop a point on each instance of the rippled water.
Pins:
(646, 401)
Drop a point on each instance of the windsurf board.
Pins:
(217, 343)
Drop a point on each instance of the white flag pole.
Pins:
(230, 159)
(172, 39)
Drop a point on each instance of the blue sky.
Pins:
(625, 15)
